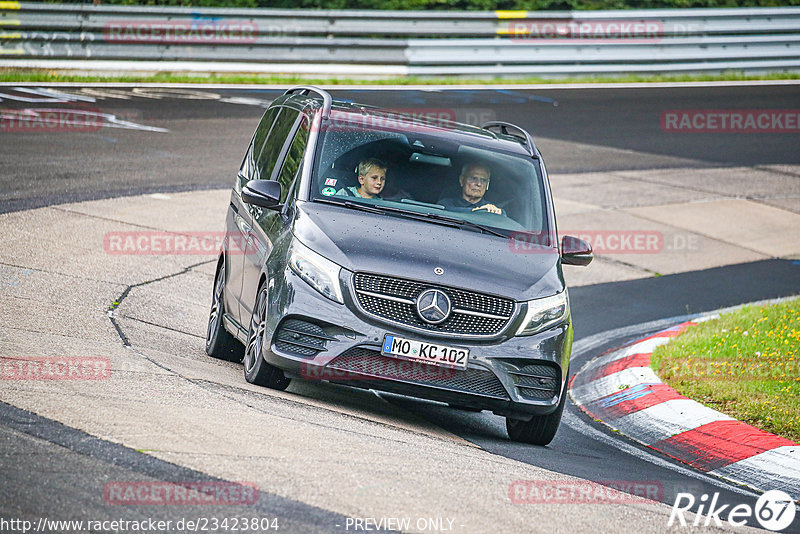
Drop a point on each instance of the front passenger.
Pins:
(371, 180)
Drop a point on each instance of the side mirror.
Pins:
(263, 193)
(575, 251)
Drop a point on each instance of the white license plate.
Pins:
(410, 349)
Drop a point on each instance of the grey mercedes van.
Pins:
(377, 250)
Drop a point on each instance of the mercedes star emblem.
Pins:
(433, 306)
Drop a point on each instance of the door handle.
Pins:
(244, 228)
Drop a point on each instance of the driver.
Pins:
(474, 180)
(371, 180)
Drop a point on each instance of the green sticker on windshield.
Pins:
(328, 191)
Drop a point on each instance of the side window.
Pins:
(247, 170)
(265, 162)
(294, 157)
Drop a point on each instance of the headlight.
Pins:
(320, 273)
(543, 313)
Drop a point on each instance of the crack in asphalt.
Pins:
(107, 219)
(118, 300)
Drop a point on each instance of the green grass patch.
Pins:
(44, 76)
(745, 364)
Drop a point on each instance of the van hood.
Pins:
(407, 248)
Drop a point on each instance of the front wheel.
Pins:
(220, 343)
(540, 430)
(256, 369)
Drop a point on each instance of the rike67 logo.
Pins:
(774, 510)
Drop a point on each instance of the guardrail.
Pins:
(410, 42)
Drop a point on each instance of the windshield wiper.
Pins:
(463, 222)
(383, 210)
(355, 206)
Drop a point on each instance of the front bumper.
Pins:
(311, 337)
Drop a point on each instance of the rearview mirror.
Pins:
(431, 159)
(575, 251)
(263, 193)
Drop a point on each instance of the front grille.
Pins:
(301, 338)
(536, 381)
(371, 364)
(394, 299)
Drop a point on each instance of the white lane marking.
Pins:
(105, 92)
(51, 93)
(613, 383)
(575, 423)
(159, 93)
(42, 116)
(666, 419)
(91, 95)
(31, 100)
(246, 101)
(643, 347)
(778, 468)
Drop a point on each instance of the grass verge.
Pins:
(43, 76)
(745, 364)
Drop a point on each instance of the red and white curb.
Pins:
(622, 391)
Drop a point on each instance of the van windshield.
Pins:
(419, 170)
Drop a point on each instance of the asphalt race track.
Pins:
(169, 140)
(616, 129)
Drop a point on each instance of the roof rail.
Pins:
(327, 101)
(526, 138)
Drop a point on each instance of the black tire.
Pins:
(540, 430)
(256, 369)
(220, 343)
